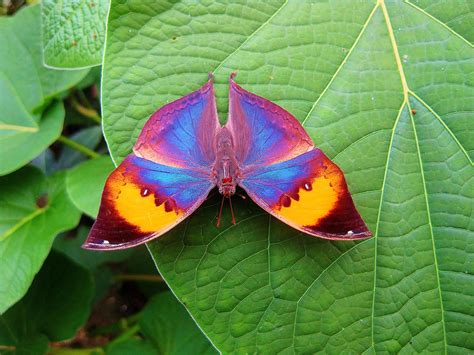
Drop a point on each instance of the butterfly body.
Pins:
(183, 152)
(226, 169)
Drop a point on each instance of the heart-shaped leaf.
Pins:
(385, 90)
(33, 210)
(73, 32)
(56, 305)
(19, 146)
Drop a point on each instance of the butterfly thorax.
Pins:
(225, 169)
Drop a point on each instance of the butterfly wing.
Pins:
(182, 133)
(309, 193)
(264, 133)
(142, 200)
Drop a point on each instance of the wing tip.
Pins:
(364, 233)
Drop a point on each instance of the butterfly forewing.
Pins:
(264, 133)
(182, 133)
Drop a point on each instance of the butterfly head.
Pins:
(227, 186)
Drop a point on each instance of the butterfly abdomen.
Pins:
(226, 168)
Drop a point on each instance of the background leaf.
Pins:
(170, 329)
(73, 32)
(34, 84)
(385, 89)
(20, 146)
(26, 90)
(33, 210)
(48, 311)
(89, 176)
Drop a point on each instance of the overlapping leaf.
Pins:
(26, 89)
(167, 325)
(89, 176)
(73, 32)
(56, 305)
(385, 90)
(33, 210)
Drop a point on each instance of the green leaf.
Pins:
(131, 347)
(26, 89)
(385, 89)
(14, 117)
(89, 177)
(96, 262)
(22, 64)
(73, 32)
(167, 325)
(21, 146)
(56, 305)
(457, 15)
(33, 210)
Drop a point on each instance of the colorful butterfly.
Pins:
(183, 152)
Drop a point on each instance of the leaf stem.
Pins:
(79, 147)
(88, 112)
(8, 347)
(127, 334)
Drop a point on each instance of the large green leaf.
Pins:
(73, 32)
(56, 305)
(33, 210)
(385, 89)
(22, 64)
(89, 177)
(19, 146)
(26, 88)
(170, 329)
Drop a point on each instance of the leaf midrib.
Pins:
(22, 222)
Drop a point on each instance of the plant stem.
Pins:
(88, 112)
(139, 277)
(127, 334)
(8, 347)
(116, 327)
(79, 147)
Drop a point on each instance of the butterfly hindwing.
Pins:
(264, 133)
(142, 200)
(182, 133)
(309, 193)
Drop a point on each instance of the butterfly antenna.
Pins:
(231, 210)
(220, 212)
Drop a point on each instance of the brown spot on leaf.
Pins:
(42, 201)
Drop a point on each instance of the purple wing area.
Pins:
(309, 193)
(264, 133)
(142, 200)
(182, 133)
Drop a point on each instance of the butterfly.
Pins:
(183, 152)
